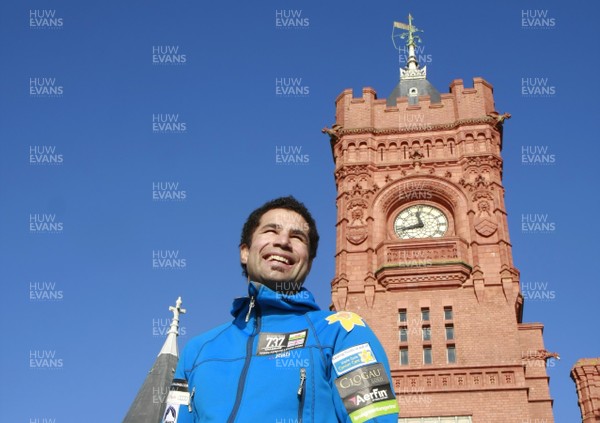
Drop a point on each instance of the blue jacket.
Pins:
(284, 360)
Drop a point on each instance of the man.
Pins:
(282, 359)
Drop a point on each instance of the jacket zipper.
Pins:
(301, 394)
(191, 399)
(249, 345)
(250, 306)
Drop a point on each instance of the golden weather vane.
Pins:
(410, 34)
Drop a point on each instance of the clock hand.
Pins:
(418, 225)
(421, 224)
(406, 228)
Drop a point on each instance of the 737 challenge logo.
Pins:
(274, 343)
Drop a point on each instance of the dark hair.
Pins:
(288, 203)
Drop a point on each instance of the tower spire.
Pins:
(170, 345)
(413, 78)
(149, 404)
(412, 69)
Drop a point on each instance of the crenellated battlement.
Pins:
(460, 103)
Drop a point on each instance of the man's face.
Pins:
(278, 254)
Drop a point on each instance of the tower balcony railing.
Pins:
(413, 263)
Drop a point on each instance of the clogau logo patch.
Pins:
(365, 377)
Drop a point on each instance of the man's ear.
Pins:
(244, 251)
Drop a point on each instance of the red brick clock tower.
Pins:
(423, 250)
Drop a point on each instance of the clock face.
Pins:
(420, 221)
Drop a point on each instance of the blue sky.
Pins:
(103, 327)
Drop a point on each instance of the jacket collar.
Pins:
(272, 302)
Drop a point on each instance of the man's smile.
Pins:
(279, 258)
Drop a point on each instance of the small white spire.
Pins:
(170, 345)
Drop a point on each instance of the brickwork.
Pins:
(476, 358)
(586, 374)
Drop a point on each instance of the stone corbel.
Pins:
(340, 295)
(478, 283)
(506, 277)
(370, 283)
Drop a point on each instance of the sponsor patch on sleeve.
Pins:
(178, 397)
(347, 319)
(352, 358)
(367, 393)
(273, 343)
